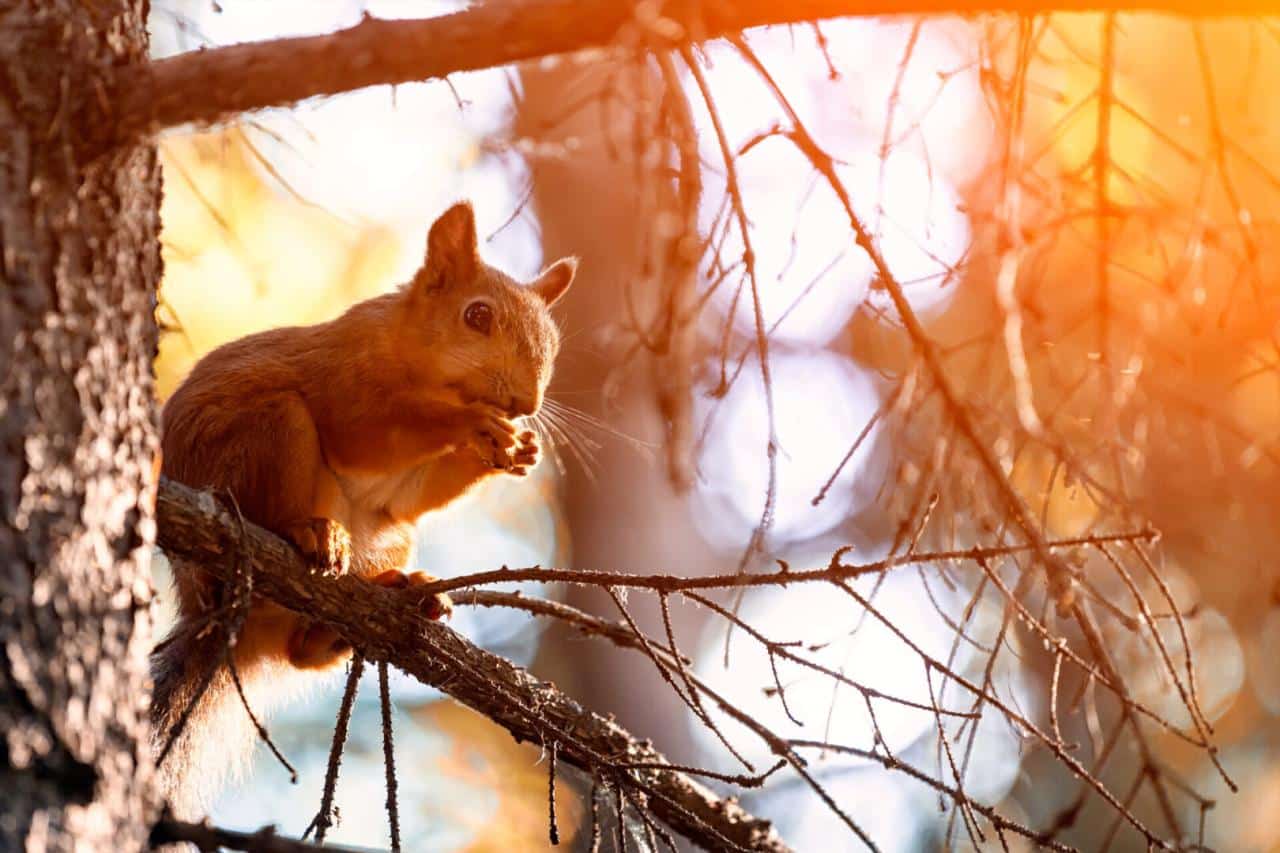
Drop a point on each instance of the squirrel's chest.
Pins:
(402, 496)
(375, 504)
(380, 538)
(382, 492)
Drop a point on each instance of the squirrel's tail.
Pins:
(200, 738)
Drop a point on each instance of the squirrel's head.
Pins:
(487, 337)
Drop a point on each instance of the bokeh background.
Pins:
(292, 216)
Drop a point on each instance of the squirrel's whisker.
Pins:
(569, 413)
(569, 428)
(581, 448)
(549, 444)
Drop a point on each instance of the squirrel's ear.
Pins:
(451, 244)
(555, 280)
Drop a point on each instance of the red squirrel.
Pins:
(337, 437)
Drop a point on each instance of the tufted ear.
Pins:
(555, 280)
(451, 245)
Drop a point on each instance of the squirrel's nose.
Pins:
(519, 406)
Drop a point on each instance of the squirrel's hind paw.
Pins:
(324, 543)
(316, 646)
(437, 606)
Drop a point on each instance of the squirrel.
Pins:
(338, 437)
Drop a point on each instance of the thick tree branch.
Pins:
(387, 625)
(208, 85)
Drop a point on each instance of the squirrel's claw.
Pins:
(324, 543)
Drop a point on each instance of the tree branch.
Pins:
(387, 625)
(209, 85)
(213, 838)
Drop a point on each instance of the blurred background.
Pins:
(1138, 389)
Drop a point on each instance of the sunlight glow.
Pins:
(840, 635)
(939, 114)
(1069, 122)
(821, 403)
(394, 156)
(847, 639)
(811, 276)
(1264, 652)
(896, 824)
(916, 223)
(1211, 639)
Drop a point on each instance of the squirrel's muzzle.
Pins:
(520, 406)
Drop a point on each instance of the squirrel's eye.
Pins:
(479, 316)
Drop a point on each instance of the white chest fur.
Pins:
(371, 510)
(384, 492)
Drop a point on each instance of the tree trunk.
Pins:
(79, 263)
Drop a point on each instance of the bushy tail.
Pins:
(201, 735)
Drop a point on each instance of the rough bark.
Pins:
(387, 625)
(209, 85)
(79, 262)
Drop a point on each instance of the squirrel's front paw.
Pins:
(493, 437)
(437, 605)
(324, 543)
(526, 455)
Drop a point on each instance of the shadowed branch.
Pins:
(206, 837)
(387, 626)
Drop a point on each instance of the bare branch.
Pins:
(211, 838)
(209, 85)
(836, 570)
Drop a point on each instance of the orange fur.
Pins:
(338, 436)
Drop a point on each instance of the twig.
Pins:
(389, 756)
(835, 570)
(325, 817)
(553, 827)
(261, 729)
